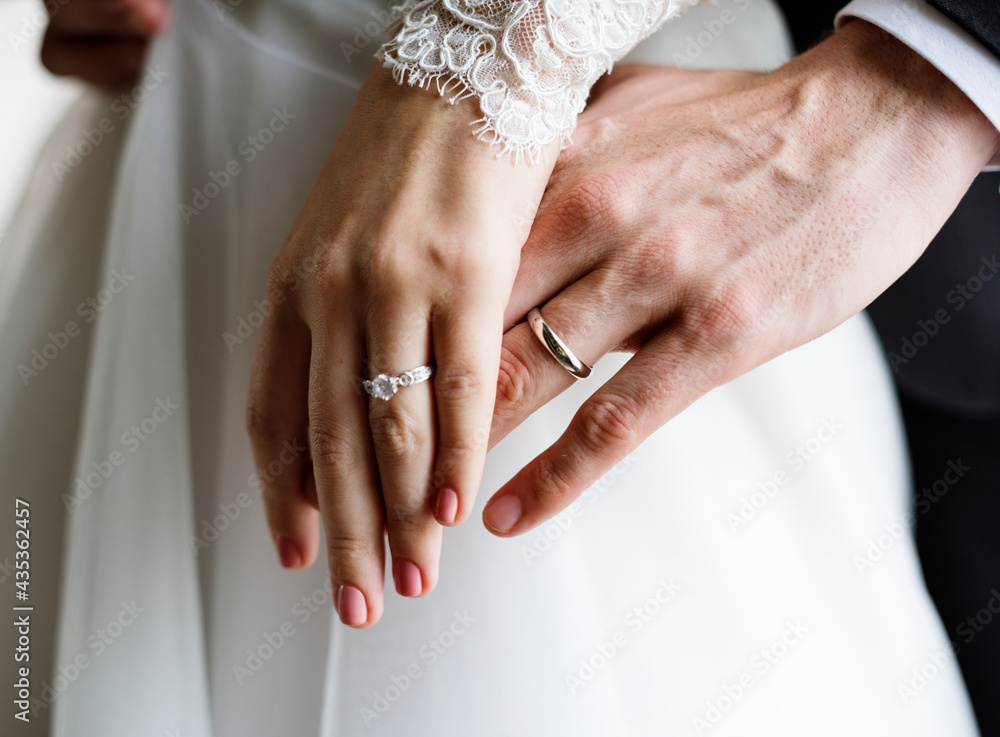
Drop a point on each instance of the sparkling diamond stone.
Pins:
(383, 386)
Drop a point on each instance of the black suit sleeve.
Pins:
(808, 21)
(981, 18)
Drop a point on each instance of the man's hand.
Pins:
(711, 221)
(101, 41)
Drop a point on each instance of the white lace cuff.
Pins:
(531, 63)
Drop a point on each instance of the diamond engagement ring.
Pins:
(384, 386)
(553, 343)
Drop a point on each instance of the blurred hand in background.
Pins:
(101, 41)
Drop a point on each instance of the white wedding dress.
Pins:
(749, 570)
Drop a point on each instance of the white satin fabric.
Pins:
(156, 640)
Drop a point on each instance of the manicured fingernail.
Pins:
(407, 577)
(446, 506)
(351, 606)
(288, 552)
(503, 513)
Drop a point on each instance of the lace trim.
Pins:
(530, 63)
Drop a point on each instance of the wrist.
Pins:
(865, 118)
(530, 64)
(420, 145)
(436, 126)
(864, 105)
(873, 84)
(924, 94)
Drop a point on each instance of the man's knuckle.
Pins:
(600, 198)
(724, 313)
(608, 422)
(553, 487)
(513, 380)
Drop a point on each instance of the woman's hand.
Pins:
(713, 220)
(101, 41)
(404, 253)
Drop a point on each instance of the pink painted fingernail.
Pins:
(503, 513)
(351, 606)
(407, 577)
(446, 506)
(288, 552)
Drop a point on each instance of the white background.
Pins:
(33, 101)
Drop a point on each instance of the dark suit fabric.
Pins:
(981, 18)
(950, 393)
(810, 19)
